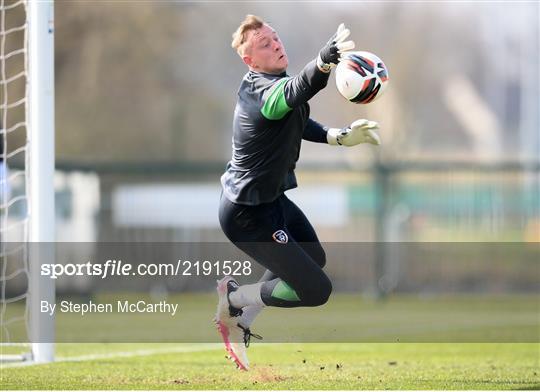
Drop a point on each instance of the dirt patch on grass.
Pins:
(265, 374)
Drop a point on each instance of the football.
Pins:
(361, 77)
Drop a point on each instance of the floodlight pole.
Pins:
(40, 160)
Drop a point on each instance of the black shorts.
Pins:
(280, 237)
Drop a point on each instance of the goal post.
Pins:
(27, 215)
(40, 160)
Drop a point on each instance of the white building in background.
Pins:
(196, 205)
(77, 206)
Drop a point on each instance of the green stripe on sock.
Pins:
(283, 291)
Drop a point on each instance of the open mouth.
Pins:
(280, 57)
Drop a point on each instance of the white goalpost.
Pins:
(41, 170)
(34, 196)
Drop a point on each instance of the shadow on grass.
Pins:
(534, 387)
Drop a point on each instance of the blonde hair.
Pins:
(251, 22)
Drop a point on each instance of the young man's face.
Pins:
(265, 52)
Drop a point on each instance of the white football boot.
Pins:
(227, 322)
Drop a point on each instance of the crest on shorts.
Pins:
(280, 237)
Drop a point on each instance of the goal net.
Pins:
(26, 176)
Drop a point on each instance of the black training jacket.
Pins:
(270, 119)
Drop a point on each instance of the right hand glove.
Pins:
(360, 131)
(330, 55)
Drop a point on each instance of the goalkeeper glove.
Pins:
(360, 131)
(330, 55)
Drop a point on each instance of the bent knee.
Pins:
(318, 294)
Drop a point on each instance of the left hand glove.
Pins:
(360, 131)
(330, 55)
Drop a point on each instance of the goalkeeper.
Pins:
(271, 118)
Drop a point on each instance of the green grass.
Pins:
(289, 366)
(345, 318)
(440, 347)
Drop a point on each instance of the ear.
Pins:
(247, 60)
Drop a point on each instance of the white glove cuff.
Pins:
(332, 136)
(323, 67)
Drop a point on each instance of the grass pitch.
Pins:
(285, 366)
(345, 318)
(378, 363)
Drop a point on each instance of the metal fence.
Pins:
(440, 209)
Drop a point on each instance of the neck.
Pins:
(267, 71)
